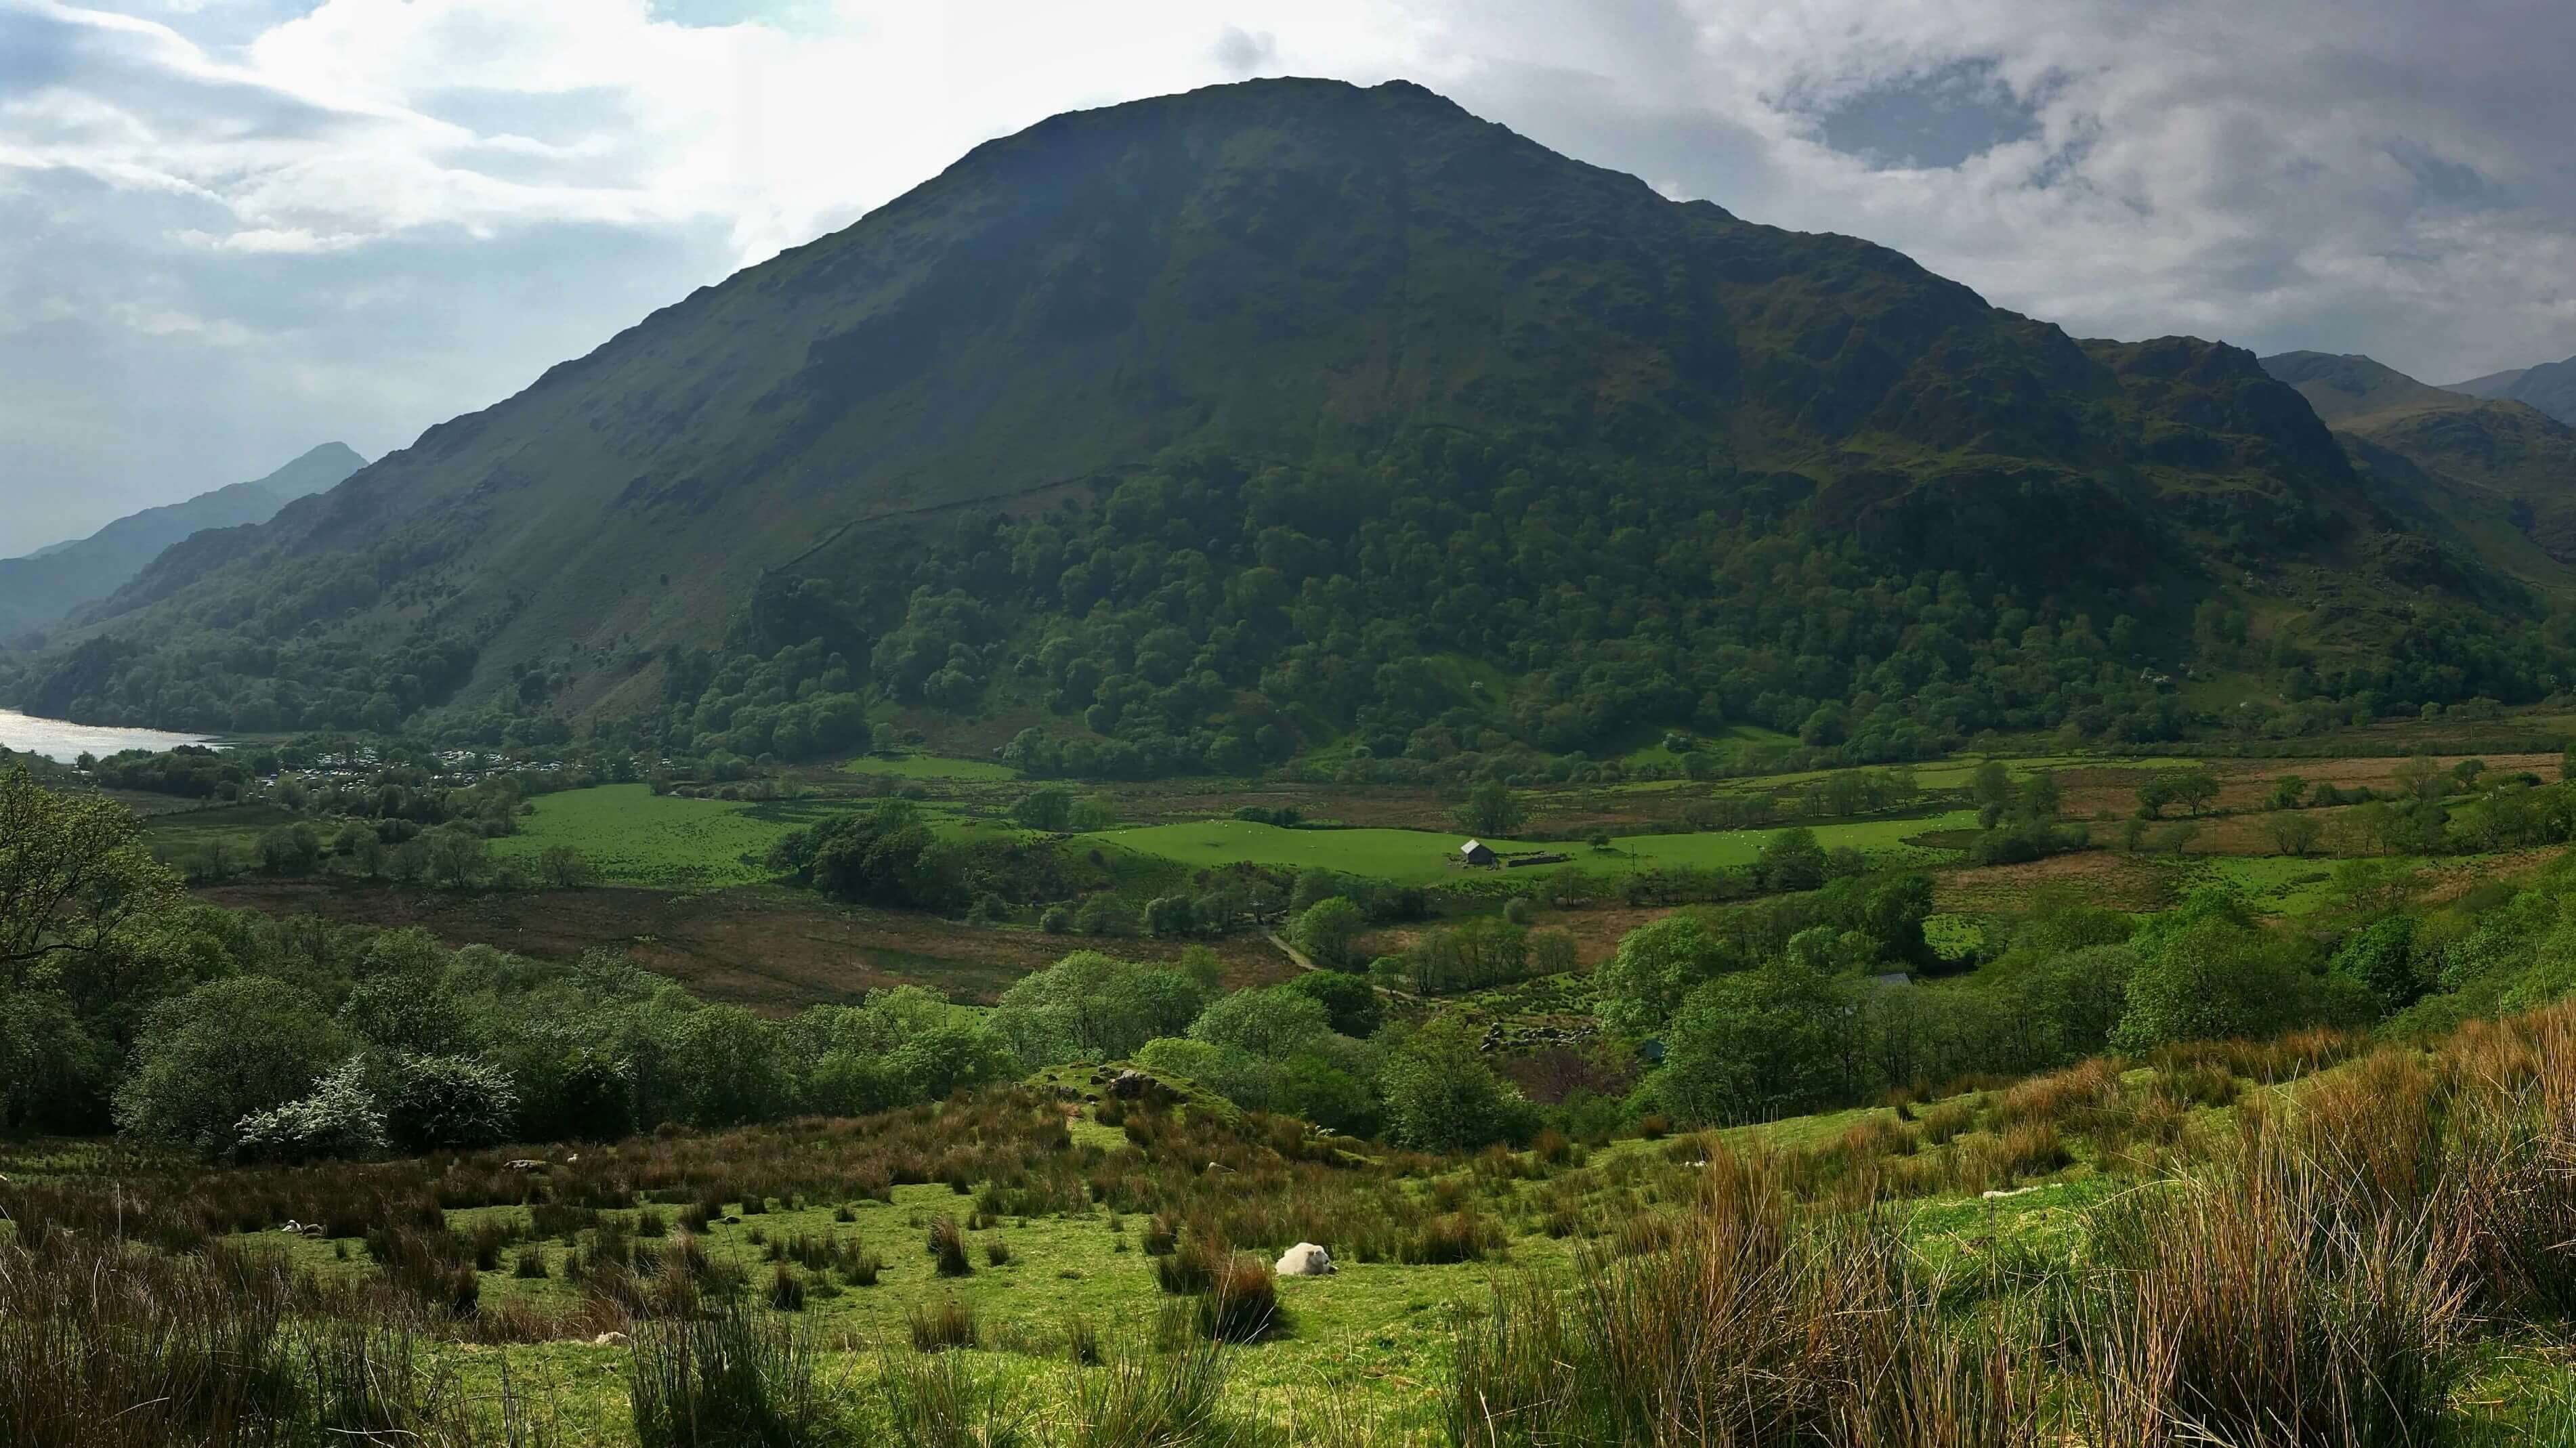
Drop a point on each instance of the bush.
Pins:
(435, 1103)
(222, 1052)
(339, 1120)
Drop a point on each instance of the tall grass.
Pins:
(728, 1376)
(104, 1344)
(1747, 1329)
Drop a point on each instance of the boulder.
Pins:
(1128, 1085)
(1306, 1260)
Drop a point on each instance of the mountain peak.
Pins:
(1297, 277)
(45, 587)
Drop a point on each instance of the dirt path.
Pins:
(1292, 952)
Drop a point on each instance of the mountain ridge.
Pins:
(2486, 468)
(49, 585)
(1295, 275)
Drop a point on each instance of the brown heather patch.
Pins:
(772, 950)
(2107, 877)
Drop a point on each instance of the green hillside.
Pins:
(1187, 433)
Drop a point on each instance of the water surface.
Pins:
(66, 742)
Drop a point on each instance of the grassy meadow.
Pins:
(1063, 1250)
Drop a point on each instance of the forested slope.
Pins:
(1225, 425)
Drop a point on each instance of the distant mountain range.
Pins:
(2551, 387)
(2494, 473)
(49, 585)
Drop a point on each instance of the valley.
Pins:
(1270, 767)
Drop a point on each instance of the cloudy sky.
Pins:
(231, 229)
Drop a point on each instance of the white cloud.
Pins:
(345, 181)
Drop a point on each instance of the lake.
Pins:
(66, 742)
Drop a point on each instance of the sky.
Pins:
(233, 229)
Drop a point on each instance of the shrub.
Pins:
(435, 1103)
(338, 1120)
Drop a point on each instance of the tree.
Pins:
(2421, 778)
(1350, 1003)
(1656, 968)
(1440, 1093)
(1791, 860)
(410, 862)
(1330, 929)
(2381, 958)
(2177, 837)
(2296, 834)
(1273, 1024)
(2155, 794)
(75, 881)
(564, 868)
(1553, 952)
(457, 857)
(1170, 915)
(1990, 788)
(218, 1054)
(2197, 789)
(1049, 809)
(2207, 971)
(2039, 800)
(2289, 792)
(1492, 809)
(1759, 1044)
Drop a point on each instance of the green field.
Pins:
(1420, 857)
(633, 836)
(181, 838)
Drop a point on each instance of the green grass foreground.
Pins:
(2312, 1241)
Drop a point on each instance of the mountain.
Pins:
(2494, 384)
(46, 586)
(2342, 388)
(1280, 415)
(2498, 476)
(2551, 387)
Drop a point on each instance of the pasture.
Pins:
(632, 836)
(1423, 857)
